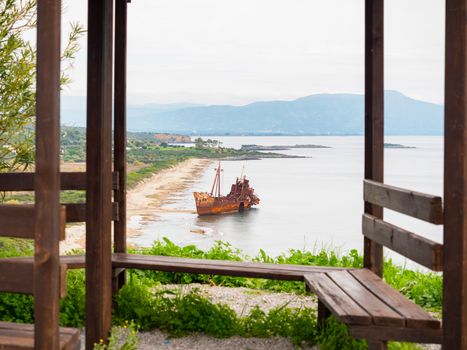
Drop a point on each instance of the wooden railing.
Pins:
(18, 276)
(18, 221)
(415, 204)
(68, 180)
(75, 212)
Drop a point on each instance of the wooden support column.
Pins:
(99, 172)
(323, 314)
(47, 177)
(120, 133)
(455, 178)
(374, 118)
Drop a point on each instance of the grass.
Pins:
(145, 172)
(425, 289)
(179, 314)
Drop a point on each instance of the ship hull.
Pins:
(210, 205)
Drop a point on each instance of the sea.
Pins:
(309, 203)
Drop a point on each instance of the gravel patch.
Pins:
(242, 300)
(158, 340)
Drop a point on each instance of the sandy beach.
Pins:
(146, 199)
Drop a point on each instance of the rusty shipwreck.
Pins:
(240, 198)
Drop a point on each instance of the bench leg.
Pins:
(118, 280)
(377, 345)
(323, 314)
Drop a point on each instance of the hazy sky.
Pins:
(239, 51)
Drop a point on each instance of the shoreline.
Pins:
(146, 199)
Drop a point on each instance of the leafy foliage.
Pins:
(179, 313)
(121, 338)
(17, 81)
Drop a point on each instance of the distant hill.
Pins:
(320, 114)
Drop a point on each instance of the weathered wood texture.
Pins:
(17, 276)
(217, 267)
(415, 204)
(68, 181)
(19, 221)
(99, 172)
(336, 300)
(360, 297)
(415, 316)
(417, 248)
(76, 212)
(455, 178)
(415, 335)
(374, 118)
(120, 122)
(47, 177)
(381, 313)
(17, 336)
(203, 266)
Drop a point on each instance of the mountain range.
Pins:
(319, 114)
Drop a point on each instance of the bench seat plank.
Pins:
(380, 312)
(217, 267)
(415, 316)
(338, 302)
(17, 336)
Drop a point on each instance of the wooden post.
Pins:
(47, 176)
(374, 127)
(99, 172)
(374, 118)
(120, 133)
(455, 179)
(323, 315)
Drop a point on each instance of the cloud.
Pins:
(238, 51)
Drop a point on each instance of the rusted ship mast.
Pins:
(240, 198)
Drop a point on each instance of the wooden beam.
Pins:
(19, 221)
(69, 261)
(323, 314)
(76, 212)
(68, 181)
(379, 333)
(47, 177)
(419, 205)
(120, 137)
(455, 178)
(217, 267)
(99, 172)
(374, 118)
(17, 276)
(417, 248)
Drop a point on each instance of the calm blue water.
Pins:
(305, 203)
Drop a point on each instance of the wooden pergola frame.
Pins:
(105, 185)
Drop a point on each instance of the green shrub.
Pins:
(121, 338)
(179, 314)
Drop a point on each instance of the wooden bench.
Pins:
(371, 308)
(17, 336)
(357, 297)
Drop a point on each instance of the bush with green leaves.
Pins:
(18, 78)
(123, 337)
(179, 313)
